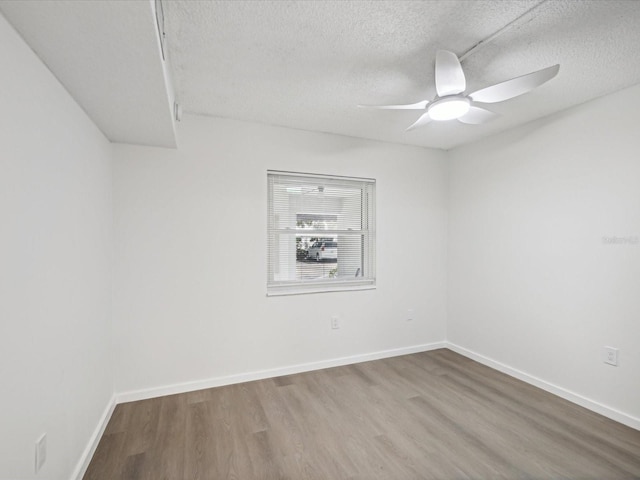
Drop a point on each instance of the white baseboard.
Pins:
(90, 449)
(270, 373)
(608, 412)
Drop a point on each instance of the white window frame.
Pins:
(287, 286)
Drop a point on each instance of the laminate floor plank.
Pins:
(119, 421)
(263, 457)
(322, 425)
(283, 435)
(107, 461)
(199, 449)
(427, 416)
(143, 423)
(357, 422)
(165, 457)
(134, 466)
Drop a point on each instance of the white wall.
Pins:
(531, 284)
(190, 300)
(55, 268)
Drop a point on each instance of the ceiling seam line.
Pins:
(495, 35)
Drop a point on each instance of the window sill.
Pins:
(288, 290)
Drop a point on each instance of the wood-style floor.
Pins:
(434, 415)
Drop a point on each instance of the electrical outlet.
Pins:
(610, 356)
(41, 451)
(335, 322)
(410, 314)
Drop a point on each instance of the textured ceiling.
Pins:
(307, 64)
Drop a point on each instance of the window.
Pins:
(321, 233)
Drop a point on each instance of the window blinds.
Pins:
(321, 232)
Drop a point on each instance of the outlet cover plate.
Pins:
(610, 356)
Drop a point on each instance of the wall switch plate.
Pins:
(410, 314)
(335, 322)
(610, 355)
(41, 451)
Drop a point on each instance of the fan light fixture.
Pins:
(451, 101)
(449, 108)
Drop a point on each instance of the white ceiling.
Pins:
(107, 55)
(307, 64)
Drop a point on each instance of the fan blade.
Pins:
(477, 115)
(423, 120)
(413, 106)
(514, 87)
(449, 75)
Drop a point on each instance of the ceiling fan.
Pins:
(452, 103)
